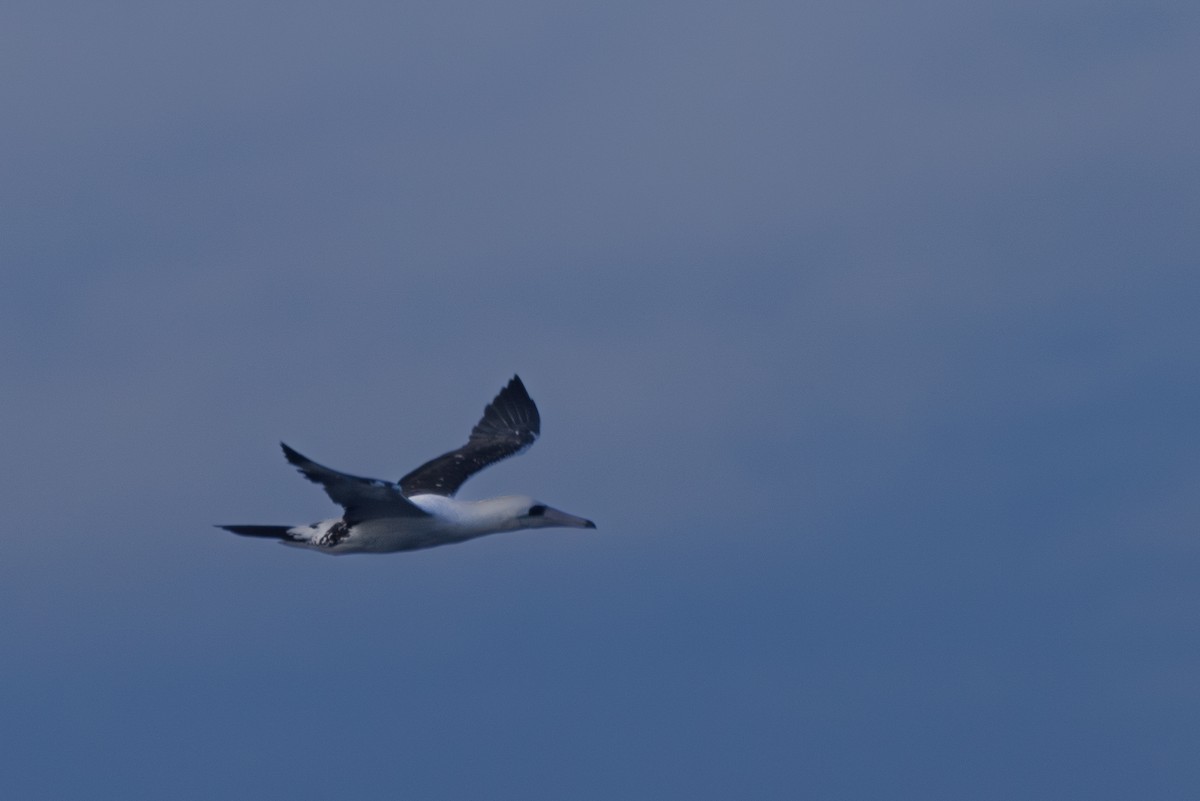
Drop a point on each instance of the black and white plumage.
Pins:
(420, 511)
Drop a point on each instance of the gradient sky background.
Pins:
(868, 334)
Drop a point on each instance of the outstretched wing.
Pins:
(362, 498)
(510, 424)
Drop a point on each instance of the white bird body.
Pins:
(449, 521)
(419, 511)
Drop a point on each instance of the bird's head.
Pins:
(526, 512)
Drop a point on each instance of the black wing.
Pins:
(362, 498)
(510, 424)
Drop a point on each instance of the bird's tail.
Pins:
(270, 532)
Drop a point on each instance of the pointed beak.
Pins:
(559, 518)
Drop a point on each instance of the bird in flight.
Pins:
(420, 510)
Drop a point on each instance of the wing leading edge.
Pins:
(509, 425)
(362, 498)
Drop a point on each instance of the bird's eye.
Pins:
(537, 511)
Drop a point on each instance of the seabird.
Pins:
(420, 510)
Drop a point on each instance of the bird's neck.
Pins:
(474, 518)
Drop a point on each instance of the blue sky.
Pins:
(867, 334)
